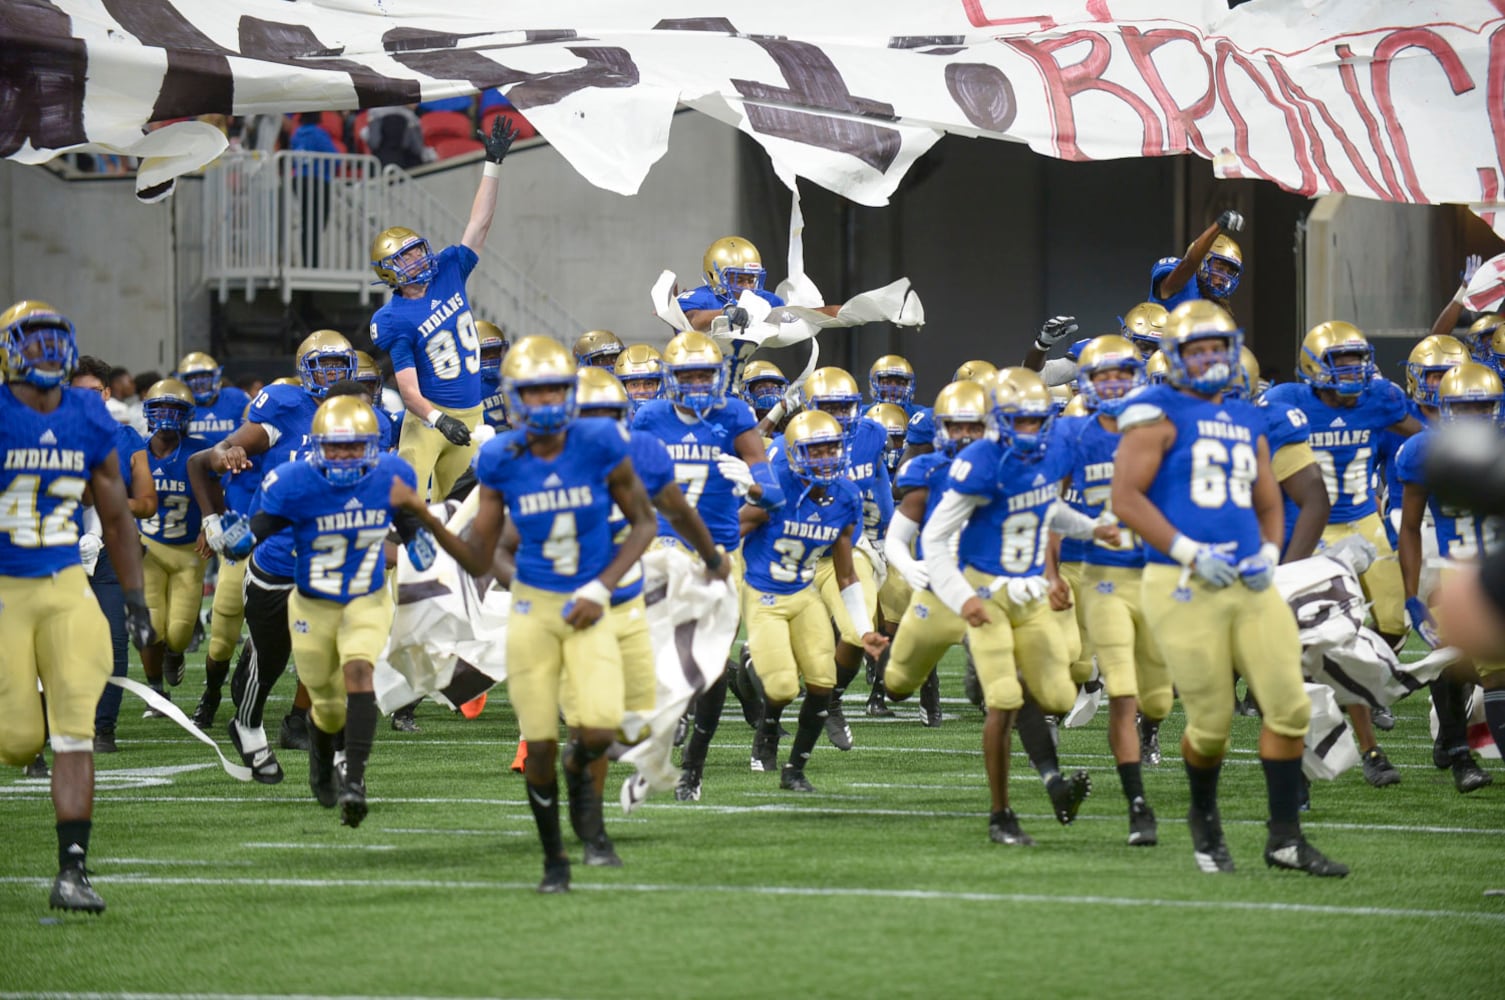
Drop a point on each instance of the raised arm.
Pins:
(483, 208)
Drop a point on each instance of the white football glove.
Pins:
(89, 547)
(1024, 590)
(916, 575)
(736, 472)
(214, 534)
(1354, 551)
(1230, 221)
(484, 432)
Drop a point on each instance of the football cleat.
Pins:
(1142, 829)
(634, 793)
(197, 639)
(1066, 795)
(793, 779)
(1149, 744)
(1382, 718)
(173, 668)
(765, 749)
(1003, 828)
(1378, 770)
(556, 876)
(877, 703)
(688, 789)
(1207, 844)
(72, 891)
(321, 780)
(152, 713)
(472, 709)
(682, 729)
(930, 700)
(837, 730)
(1297, 855)
(293, 733)
(1468, 776)
(37, 768)
(403, 721)
(205, 711)
(601, 853)
(1247, 706)
(1441, 758)
(104, 740)
(352, 803)
(263, 762)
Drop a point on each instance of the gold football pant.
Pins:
(629, 626)
(174, 576)
(544, 654)
(789, 637)
(1205, 634)
(51, 628)
(1382, 583)
(893, 596)
(1020, 641)
(432, 455)
(1073, 626)
(927, 629)
(326, 636)
(229, 610)
(1484, 669)
(830, 594)
(1127, 656)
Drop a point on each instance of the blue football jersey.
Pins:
(1090, 492)
(1387, 448)
(1007, 535)
(339, 530)
(694, 446)
(1205, 486)
(48, 458)
(780, 554)
(1188, 292)
(176, 521)
(866, 468)
(561, 506)
(704, 298)
(925, 472)
(127, 443)
(436, 334)
(1461, 534)
(650, 460)
(287, 414)
(217, 421)
(1344, 439)
(494, 404)
(921, 430)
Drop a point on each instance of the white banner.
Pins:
(1401, 101)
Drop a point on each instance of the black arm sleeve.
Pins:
(407, 525)
(264, 525)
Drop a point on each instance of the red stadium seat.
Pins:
(525, 129)
(360, 128)
(333, 122)
(454, 146)
(438, 125)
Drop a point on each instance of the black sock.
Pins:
(214, 675)
(707, 718)
(73, 842)
(844, 676)
(1148, 727)
(1130, 776)
(544, 801)
(155, 683)
(1034, 736)
(360, 731)
(1494, 716)
(1452, 715)
(586, 818)
(1204, 786)
(812, 724)
(302, 713)
(323, 743)
(1283, 787)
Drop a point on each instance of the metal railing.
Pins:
(304, 221)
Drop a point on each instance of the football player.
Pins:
(719, 460)
(731, 266)
(494, 347)
(172, 566)
(57, 442)
(1192, 478)
(1346, 405)
(763, 388)
(891, 379)
(276, 431)
(556, 478)
(788, 622)
(920, 438)
(1447, 320)
(338, 505)
(428, 331)
(896, 422)
(218, 408)
(599, 348)
(641, 371)
(1483, 338)
(1213, 260)
(368, 374)
(1469, 391)
(1001, 498)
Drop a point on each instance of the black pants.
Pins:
(263, 658)
(111, 597)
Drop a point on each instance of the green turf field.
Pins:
(882, 884)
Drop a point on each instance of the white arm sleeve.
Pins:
(1058, 371)
(1066, 520)
(898, 547)
(946, 580)
(851, 596)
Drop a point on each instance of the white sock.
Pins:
(251, 740)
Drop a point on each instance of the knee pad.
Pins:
(781, 688)
(328, 713)
(1156, 705)
(1004, 694)
(19, 745)
(1205, 743)
(179, 635)
(1290, 720)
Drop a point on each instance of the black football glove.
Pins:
(1230, 221)
(736, 316)
(138, 620)
(1055, 330)
(453, 431)
(500, 140)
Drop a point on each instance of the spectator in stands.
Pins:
(395, 137)
(122, 390)
(311, 182)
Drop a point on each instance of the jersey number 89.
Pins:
(448, 352)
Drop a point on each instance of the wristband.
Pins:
(491, 169)
(1042, 348)
(1270, 552)
(595, 591)
(851, 596)
(1459, 296)
(1184, 550)
(433, 418)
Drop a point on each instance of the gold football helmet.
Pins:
(346, 425)
(1144, 324)
(324, 358)
(1020, 394)
(1480, 332)
(287, 380)
(39, 344)
(1429, 360)
(598, 347)
(731, 265)
(1156, 368)
(834, 391)
(201, 373)
(763, 385)
(641, 369)
(1221, 269)
(961, 415)
(402, 257)
(891, 380)
(1077, 407)
(1109, 353)
(169, 406)
(1245, 384)
(1321, 348)
(1470, 391)
(537, 362)
(694, 373)
(368, 374)
(974, 370)
(493, 341)
(598, 393)
(896, 425)
(817, 447)
(1196, 320)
